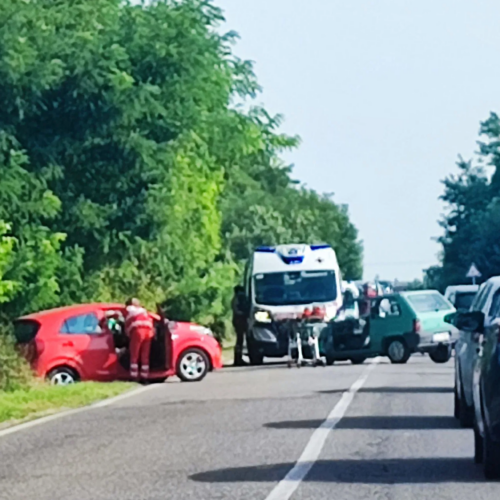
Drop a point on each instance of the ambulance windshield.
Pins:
(295, 288)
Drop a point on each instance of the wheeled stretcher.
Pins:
(303, 345)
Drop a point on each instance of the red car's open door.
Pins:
(168, 338)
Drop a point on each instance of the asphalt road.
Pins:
(237, 434)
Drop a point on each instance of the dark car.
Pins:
(477, 374)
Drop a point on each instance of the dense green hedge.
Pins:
(14, 371)
(132, 161)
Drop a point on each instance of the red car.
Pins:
(76, 343)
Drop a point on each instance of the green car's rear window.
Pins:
(428, 302)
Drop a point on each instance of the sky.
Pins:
(385, 95)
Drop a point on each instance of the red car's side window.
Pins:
(83, 324)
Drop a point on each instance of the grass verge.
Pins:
(40, 399)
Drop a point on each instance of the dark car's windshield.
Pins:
(428, 302)
(293, 288)
(463, 300)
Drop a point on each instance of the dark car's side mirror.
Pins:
(470, 322)
(451, 318)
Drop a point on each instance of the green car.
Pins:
(397, 326)
(436, 335)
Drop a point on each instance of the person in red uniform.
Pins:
(369, 293)
(139, 328)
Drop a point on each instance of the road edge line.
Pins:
(289, 484)
(66, 413)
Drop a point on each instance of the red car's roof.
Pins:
(74, 309)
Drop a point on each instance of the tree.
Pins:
(472, 221)
(127, 167)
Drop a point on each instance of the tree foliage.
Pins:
(472, 222)
(126, 166)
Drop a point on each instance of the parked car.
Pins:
(477, 374)
(461, 296)
(436, 335)
(398, 325)
(72, 343)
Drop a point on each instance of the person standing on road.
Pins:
(369, 293)
(239, 323)
(139, 328)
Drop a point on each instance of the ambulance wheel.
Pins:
(255, 355)
(192, 365)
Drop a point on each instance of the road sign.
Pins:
(473, 273)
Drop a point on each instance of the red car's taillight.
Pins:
(33, 349)
(40, 347)
(416, 326)
(29, 351)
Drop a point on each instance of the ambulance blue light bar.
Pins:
(320, 247)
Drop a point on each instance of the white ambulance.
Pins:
(280, 284)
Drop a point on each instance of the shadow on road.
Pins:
(387, 471)
(397, 390)
(375, 423)
(247, 366)
(280, 364)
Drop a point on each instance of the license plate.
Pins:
(441, 337)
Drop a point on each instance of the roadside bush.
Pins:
(15, 373)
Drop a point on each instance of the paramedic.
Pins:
(139, 328)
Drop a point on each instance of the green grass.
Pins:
(41, 399)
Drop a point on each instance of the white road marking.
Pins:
(55, 416)
(287, 486)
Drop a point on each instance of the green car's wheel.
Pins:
(442, 354)
(358, 360)
(398, 351)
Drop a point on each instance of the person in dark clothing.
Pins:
(239, 323)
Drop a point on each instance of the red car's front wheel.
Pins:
(192, 365)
